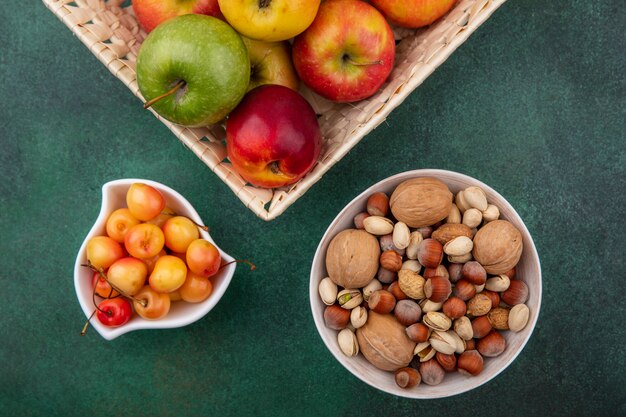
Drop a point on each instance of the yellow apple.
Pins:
(270, 63)
(269, 20)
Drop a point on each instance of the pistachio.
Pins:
(414, 243)
(348, 342)
(401, 235)
(460, 259)
(491, 213)
(429, 305)
(378, 225)
(442, 342)
(358, 317)
(454, 216)
(349, 298)
(424, 351)
(411, 284)
(437, 321)
(461, 202)
(472, 217)
(412, 265)
(328, 291)
(463, 327)
(460, 343)
(498, 283)
(373, 285)
(458, 246)
(518, 317)
(475, 197)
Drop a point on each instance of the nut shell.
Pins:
(411, 283)
(432, 373)
(491, 345)
(517, 293)
(437, 289)
(470, 363)
(498, 246)
(391, 260)
(448, 231)
(430, 253)
(384, 343)
(420, 202)
(352, 258)
(499, 318)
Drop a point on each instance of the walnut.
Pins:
(352, 258)
(498, 246)
(384, 343)
(421, 202)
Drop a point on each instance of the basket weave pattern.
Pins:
(113, 35)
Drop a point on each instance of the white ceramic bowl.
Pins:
(528, 270)
(181, 313)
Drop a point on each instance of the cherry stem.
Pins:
(173, 213)
(178, 85)
(82, 333)
(100, 272)
(252, 266)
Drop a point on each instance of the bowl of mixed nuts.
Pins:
(426, 285)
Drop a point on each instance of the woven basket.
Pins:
(109, 29)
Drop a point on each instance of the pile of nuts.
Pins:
(425, 283)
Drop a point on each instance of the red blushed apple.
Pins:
(151, 13)
(347, 53)
(273, 137)
(413, 13)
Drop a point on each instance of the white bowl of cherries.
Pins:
(148, 262)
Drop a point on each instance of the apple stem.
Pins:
(179, 84)
(349, 60)
(252, 266)
(100, 272)
(264, 3)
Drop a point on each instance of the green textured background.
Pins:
(532, 104)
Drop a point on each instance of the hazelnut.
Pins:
(418, 332)
(384, 343)
(378, 204)
(358, 220)
(407, 312)
(494, 296)
(481, 326)
(454, 308)
(470, 344)
(381, 301)
(498, 246)
(517, 293)
(391, 260)
(352, 258)
(455, 272)
(425, 231)
(437, 289)
(420, 202)
(491, 345)
(447, 362)
(407, 377)
(385, 276)
(499, 318)
(464, 290)
(474, 273)
(394, 288)
(440, 271)
(448, 231)
(470, 363)
(510, 273)
(430, 253)
(478, 305)
(335, 317)
(432, 373)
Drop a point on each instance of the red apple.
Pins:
(151, 13)
(347, 53)
(413, 13)
(273, 137)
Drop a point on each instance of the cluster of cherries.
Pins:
(149, 257)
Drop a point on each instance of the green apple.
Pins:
(193, 70)
(270, 63)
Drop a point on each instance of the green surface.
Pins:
(532, 104)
